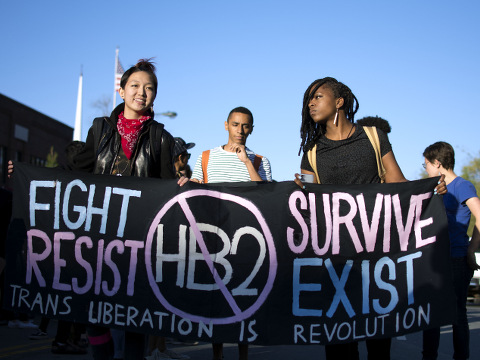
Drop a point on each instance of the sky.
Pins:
(414, 63)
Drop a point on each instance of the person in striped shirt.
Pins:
(233, 162)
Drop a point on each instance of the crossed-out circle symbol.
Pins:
(239, 314)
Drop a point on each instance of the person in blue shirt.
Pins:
(461, 201)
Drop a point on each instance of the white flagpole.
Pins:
(77, 132)
(115, 79)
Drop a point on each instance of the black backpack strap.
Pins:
(156, 130)
(97, 132)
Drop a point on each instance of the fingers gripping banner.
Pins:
(265, 263)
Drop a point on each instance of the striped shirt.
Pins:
(224, 166)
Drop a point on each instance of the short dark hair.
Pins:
(376, 121)
(242, 110)
(443, 152)
(71, 150)
(142, 65)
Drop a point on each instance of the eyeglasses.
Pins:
(188, 155)
(425, 164)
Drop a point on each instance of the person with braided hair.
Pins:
(343, 153)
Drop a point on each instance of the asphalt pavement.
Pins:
(15, 344)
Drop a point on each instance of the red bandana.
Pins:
(129, 130)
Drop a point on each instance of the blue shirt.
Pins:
(458, 214)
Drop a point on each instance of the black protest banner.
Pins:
(259, 263)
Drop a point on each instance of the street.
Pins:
(15, 344)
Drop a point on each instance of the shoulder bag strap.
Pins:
(205, 156)
(97, 132)
(312, 159)
(372, 134)
(156, 131)
(257, 161)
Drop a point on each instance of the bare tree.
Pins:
(104, 104)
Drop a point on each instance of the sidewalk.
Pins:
(15, 344)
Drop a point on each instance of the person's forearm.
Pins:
(475, 242)
(252, 172)
(472, 248)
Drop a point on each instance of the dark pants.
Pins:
(378, 349)
(64, 328)
(44, 324)
(101, 344)
(462, 274)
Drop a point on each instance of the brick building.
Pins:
(27, 135)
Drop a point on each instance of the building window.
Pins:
(37, 161)
(21, 133)
(18, 156)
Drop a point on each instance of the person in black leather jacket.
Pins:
(128, 143)
(151, 155)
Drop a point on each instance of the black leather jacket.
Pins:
(148, 160)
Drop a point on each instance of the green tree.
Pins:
(423, 174)
(52, 158)
(471, 172)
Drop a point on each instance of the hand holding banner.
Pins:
(264, 263)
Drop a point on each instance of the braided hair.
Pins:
(310, 131)
(142, 65)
